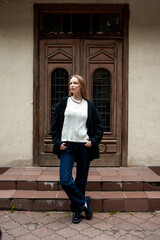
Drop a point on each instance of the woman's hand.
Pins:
(63, 147)
(88, 144)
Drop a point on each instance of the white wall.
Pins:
(16, 81)
(144, 83)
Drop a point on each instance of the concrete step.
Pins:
(118, 201)
(99, 179)
(111, 189)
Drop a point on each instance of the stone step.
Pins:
(111, 189)
(99, 179)
(110, 185)
(118, 201)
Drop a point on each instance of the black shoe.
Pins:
(76, 217)
(88, 210)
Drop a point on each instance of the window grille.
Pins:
(59, 87)
(101, 95)
(73, 23)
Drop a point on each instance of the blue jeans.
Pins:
(75, 190)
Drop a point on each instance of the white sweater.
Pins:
(75, 117)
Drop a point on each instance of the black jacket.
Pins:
(94, 127)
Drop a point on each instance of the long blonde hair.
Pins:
(83, 86)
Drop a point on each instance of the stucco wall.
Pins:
(16, 81)
(144, 83)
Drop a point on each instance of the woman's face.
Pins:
(75, 86)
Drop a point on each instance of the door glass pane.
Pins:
(67, 23)
(109, 23)
(59, 87)
(52, 22)
(101, 95)
(81, 23)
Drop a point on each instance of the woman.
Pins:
(77, 130)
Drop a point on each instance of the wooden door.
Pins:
(100, 63)
(57, 57)
(102, 67)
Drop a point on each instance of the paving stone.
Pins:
(10, 225)
(33, 225)
(6, 236)
(34, 215)
(18, 231)
(126, 226)
(91, 222)
(56, 225)
(157, 213)
(144, 215)
(42, 232)
(45, 220)
(21, 225)
(78, 237)
(101, 215)
(128, 237)
(122, 232)
(138, 233)
(28, 236)
(23, 219)
(149, 226)
(103, 237)
(157, 232)
(91, 232)
(102, 225)
(155, 220)
(153, 237)
(113, 220)
(66, 232)
(134, 220)
(80, 227)
(123, 215)
(66, 220)
(4, 218)
(58, 215)
(53, 237)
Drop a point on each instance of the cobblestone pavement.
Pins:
(21, 225)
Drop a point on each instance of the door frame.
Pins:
(125, 10)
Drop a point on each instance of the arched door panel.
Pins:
(104, 57)
(58, 61)
(99, 62)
